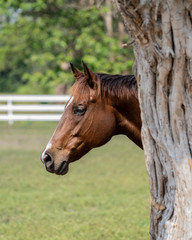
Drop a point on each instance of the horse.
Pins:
(101, 106)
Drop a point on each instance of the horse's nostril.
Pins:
(48, 161)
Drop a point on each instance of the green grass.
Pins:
(105, 195)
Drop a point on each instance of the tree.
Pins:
(161, 35)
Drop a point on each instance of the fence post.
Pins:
(10, 111)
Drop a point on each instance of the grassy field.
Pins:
(105, 195)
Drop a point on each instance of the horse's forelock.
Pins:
(80, 90)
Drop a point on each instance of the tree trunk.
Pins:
(121, 30)
(108, 18)
(161, 32)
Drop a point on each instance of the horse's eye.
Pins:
(79, 110)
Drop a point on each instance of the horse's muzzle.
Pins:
(50, 166)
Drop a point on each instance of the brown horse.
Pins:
(101, 106)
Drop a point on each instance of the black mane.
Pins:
(118, 85)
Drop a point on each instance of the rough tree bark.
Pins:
(161, 32)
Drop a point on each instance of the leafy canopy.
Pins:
(39, 38)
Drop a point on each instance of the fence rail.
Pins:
(32, 107)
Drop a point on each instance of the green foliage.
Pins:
(105, 195)
(39, 37)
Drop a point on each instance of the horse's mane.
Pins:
(118, 85)
(110, 86)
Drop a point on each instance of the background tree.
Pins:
(161, 32)
(39, 38)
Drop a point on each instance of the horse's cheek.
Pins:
(104, 129)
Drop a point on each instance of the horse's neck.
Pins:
(128, 120)
(128, 117)
(121, 91)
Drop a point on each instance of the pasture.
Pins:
(105, 195)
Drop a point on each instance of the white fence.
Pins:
(32, 107)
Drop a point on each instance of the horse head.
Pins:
(88, 121)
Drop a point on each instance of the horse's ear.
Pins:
(77, 74)
(91, 77)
